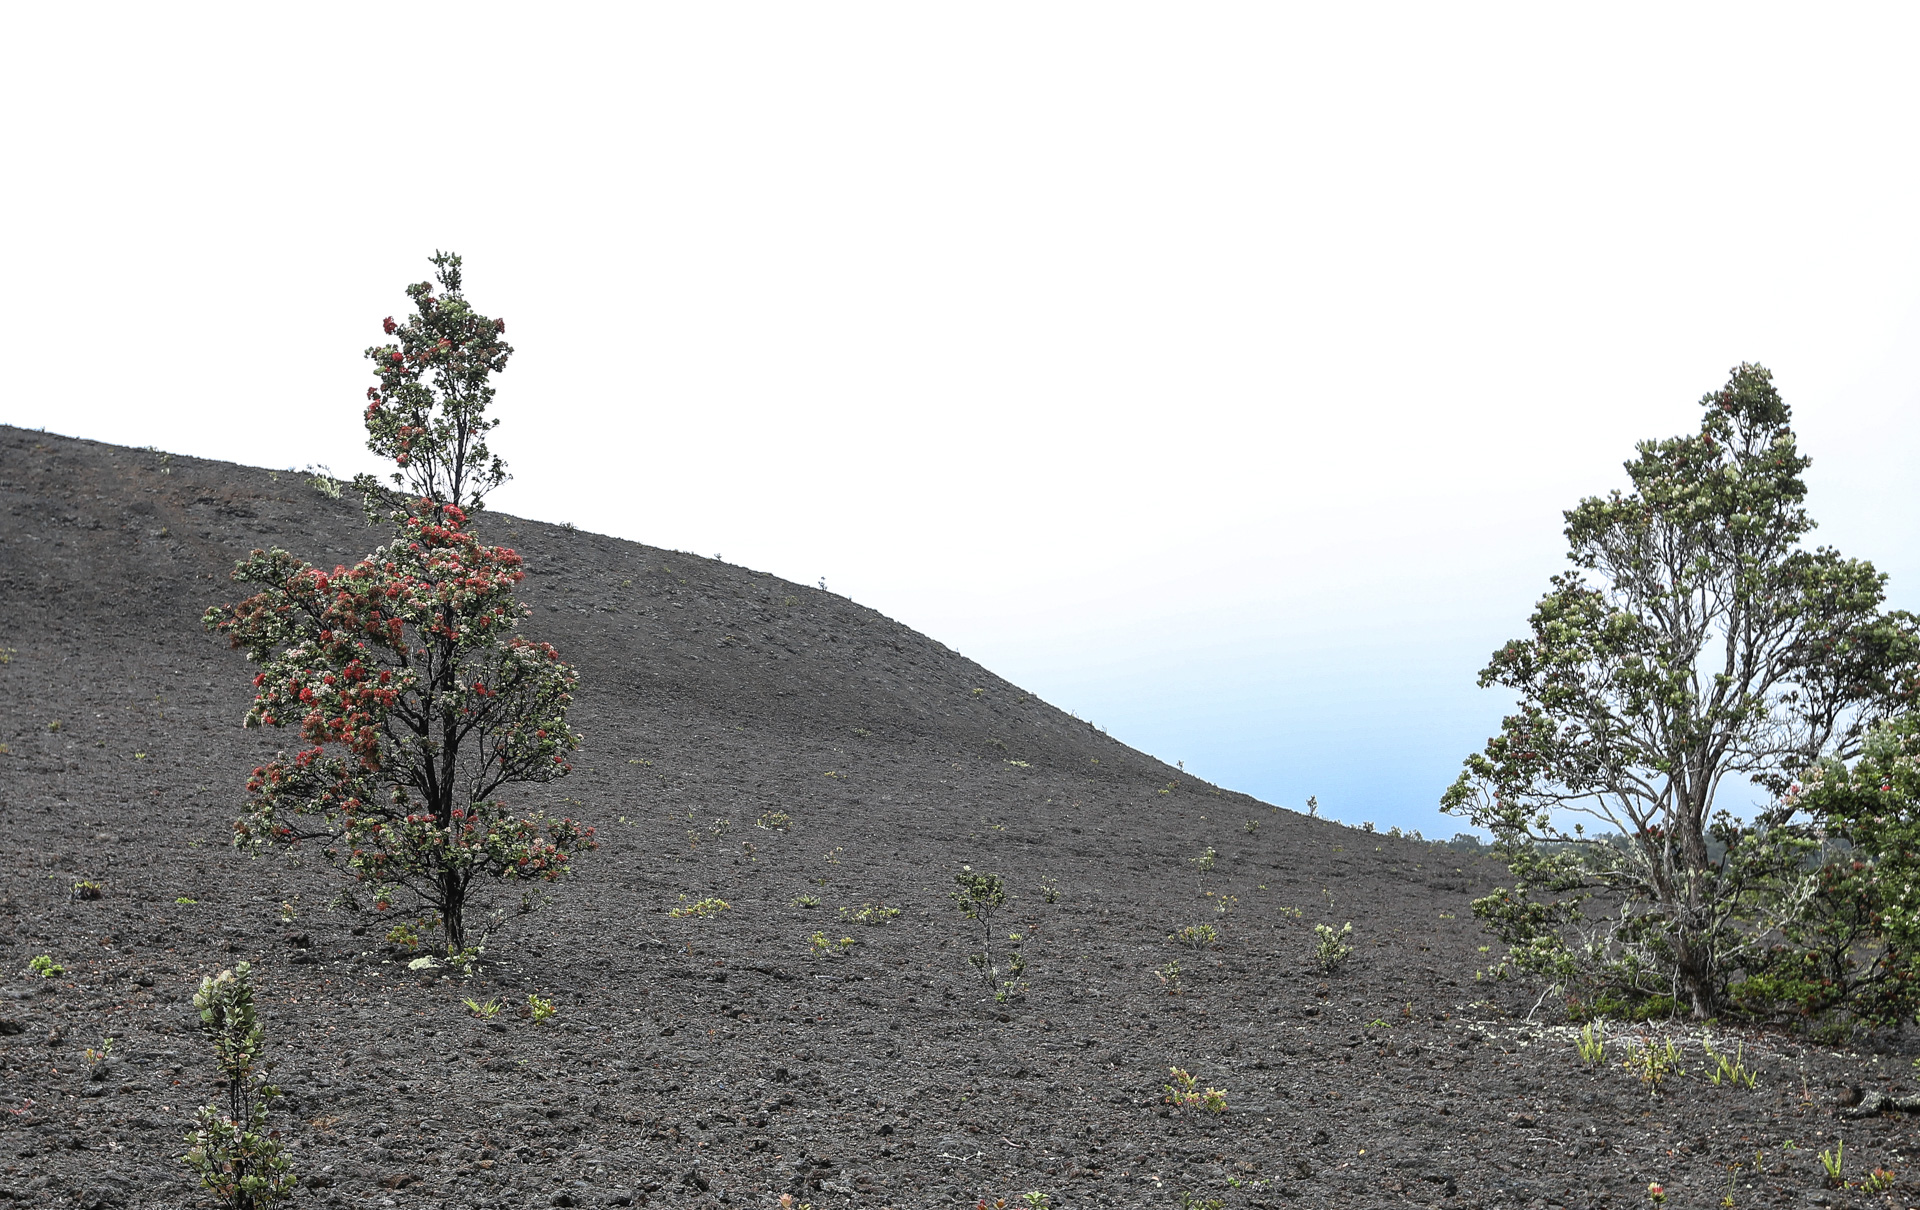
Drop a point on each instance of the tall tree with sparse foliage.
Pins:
(1695, 639)
(421, 706)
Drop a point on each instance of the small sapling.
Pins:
(237, 1158)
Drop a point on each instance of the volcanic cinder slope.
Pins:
(721, 1061)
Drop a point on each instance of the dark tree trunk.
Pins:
(1696, 979)
(453, 896)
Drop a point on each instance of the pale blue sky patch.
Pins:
(1219, 372)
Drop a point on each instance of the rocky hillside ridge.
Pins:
(722, 1061)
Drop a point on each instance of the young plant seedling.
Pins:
(44, 966)
(823, 946)
(979, 896)
(1593, 1046)
(1196, 936)
(1732, 1071)
(1651, 1064)
(1330, 948)
(870, 914)
(1832, 1161)
(538, 1009)
(1878, 1181)
(1184, 1093)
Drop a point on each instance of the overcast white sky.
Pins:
(1218, 372)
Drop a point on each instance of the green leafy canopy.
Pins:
(1695, 638)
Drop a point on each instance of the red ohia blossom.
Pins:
(332, 792)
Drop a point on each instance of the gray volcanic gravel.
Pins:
(721, 1062)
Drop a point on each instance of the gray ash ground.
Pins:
(720, 1062)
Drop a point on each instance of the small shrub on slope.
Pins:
(234, 1154)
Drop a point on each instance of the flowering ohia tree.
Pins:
(428, 413)
(419, 703)
(418, 700)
